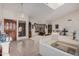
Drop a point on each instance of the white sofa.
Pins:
(45, 49)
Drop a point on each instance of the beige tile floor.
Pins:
(25, 47)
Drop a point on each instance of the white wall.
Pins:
(32, 20)
(70, 25)
(1, 25)
(26, 20)
(9, 14)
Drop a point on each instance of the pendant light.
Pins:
(22, 12)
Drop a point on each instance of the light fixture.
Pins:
(22, 12)
(54, 5)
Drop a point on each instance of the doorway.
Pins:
(10, 28)
(30, 28)
(49, 29)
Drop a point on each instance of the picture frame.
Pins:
(21, 28)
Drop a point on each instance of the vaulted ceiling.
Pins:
(40, 11)
(63, 10)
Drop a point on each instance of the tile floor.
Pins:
(25, 47)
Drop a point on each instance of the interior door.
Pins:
(10, 28)
(30, 33)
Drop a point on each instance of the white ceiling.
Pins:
(64, 10)
(54, 5)
(40, 11)
(33, 10)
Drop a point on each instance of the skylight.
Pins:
(54, 5)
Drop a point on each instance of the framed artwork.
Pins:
(36, 27)
(21, 28)
(49, 28)
(40, 28)
(56, 26)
